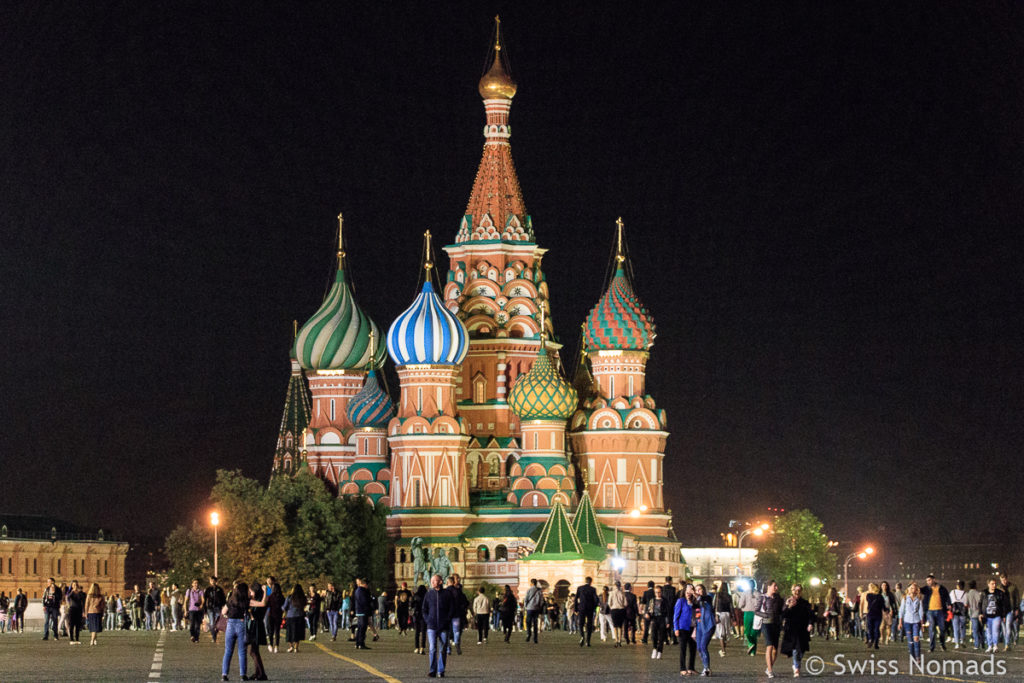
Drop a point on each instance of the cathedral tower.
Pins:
(288, 455)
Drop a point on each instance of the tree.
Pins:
(295, 530)
(796, 551)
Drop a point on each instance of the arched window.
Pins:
(401, 556)
(661, 554)
(453, 554)
(500, 553)
(483, 553)
(650, 554)
(639, 553)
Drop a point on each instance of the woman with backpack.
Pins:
(958, 606)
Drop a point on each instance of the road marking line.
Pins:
(365, 667)
(158, 656)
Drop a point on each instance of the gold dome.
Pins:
(496, 83)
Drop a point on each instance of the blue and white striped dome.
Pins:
(427, 333)
(371, 407)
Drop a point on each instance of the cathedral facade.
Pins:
(489, 455)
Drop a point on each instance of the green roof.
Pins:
(585, 523)
(557, 536)
(502, 530)
(293, 423)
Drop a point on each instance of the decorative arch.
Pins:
(605, 418)
(483, 553)
(374, 487)
(535, 470)
(641, 418)
(500, 553)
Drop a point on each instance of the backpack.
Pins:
(992, 604)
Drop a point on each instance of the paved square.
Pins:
(141, 656)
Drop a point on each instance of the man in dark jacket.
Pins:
(52, 597)
(1012, 613)
(332, 603)
(460, 603)
(646, 598)
(20, 605)
(213, 600)
(935, 598)
(632, 610)
(586, 603)
(438, 610)
(668, 592)
(362, 602)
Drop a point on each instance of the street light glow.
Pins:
(869, 550)
(758, 531)
(815, 581)
(862, 555)
(215, 518)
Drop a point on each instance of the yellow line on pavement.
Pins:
(365, 667)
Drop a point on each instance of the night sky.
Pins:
(823, 208)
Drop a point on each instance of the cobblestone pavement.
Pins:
(141, 656)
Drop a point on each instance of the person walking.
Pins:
(586, 604)
(704, 626)
(617, 612)
(684, 618)
(655, 613)
(313, 604)
(770, 612)
(533, 604)
(507, 608)
(402, 604)
(911, 617)
(437, 615)
(482, 615)
(275, 613)
(632, 612)
(973, 602)
(52, 599)
(194, 605)
(332, 604)
(889, 610)
(833, 609)
(295, 618)
(994, 604)
(668, 591)
(75, 600)
(647, 596)
(95, 606)
(604, 613)
(958, 607)
(256, 627)
(151, 606)
(1012, 613)
(235, 607)
(797, 624)
(936, 602)
(213, 601)
(872, 604)
(460, 605)
(175, 596)
(362, 602)
(20, 605)
(722, 604)
(418, 623)
(747, 600)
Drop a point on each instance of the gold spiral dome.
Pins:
(496, 83)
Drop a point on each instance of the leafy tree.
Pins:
(796, 551)
(190, 550)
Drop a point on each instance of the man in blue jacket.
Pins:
(586, 603)
(363, 603)
(438, 609)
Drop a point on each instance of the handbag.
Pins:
(757, 623)
(222, 624)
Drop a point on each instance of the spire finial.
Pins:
(373, 348)
(583, 340)
(341, 247)
(618, 246)
(427, 264)
(543, 328)
(295, 329)
(497, 32)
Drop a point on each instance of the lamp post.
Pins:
(757, 531)
(617, 562)
(846, 568)
(215, 521)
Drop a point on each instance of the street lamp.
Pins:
(215, 521)
(618, 564)
(757, 531)
(860, 554)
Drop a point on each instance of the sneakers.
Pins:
(705, 673)
(479, 642)
(769, 673)
(721, 653)
(659, 655)
(654, 654)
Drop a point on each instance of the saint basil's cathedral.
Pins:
(490, 456)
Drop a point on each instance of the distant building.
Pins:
(905, 562)
(34, 548)
(708, 565)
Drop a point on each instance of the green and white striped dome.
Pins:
(337, 337)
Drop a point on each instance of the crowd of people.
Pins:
(689, 615)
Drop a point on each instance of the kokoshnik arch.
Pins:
(489, 455)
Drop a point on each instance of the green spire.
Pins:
(585, 523)
(294, 421)
(557, 536)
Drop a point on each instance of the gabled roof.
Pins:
(502, 530)
(557, 535)
(585, 523)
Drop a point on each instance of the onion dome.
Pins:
(496, 83)
(427, 333)
(541, 394)
(370, 407)
(619, 320)
(337, 337)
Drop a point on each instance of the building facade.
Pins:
(34, 548)
(487, 439)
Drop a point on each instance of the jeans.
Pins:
(211, 617)
(150, 621)
(993, 626)
(437, 642)
(937, 626)
(332, 619)
(165, 617)
(235, 635)
(456, 631)
(531, 623)
(50, 617)
(978, 631)
(111, 619)
(798, 657)
(1008, 623)
(362, 620)
(913, 633)
(873, 623)
(703, 640)
(958, 629)
(657, 633)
